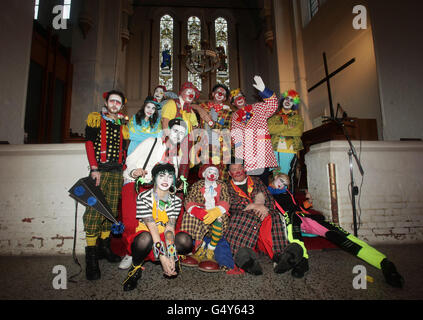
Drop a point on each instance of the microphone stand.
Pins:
(351, 153)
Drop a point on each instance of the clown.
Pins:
(183, 107)
(143, 125)
(138, 173)
(207, 205)
(155, 238)
(286, 128)
(161, 95)
(218, 138)
(298, 220)
(250, 134)
(106, 137)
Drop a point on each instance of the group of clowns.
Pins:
(205, 185)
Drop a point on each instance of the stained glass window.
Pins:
(37, 6)
(221, 30)
(194, 40)
(66, 9)
(166, 52)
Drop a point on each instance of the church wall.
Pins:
(255, 58)
(356, 87)
(397, 31)
(16, 23)
(389, 205)
(37, 216)
(95, 59)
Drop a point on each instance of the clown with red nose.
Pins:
(217, 130)
(206, 218)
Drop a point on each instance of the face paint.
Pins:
(164, 180)
(177, 134)
(188, 95)
(114, 104)
(219, 95)
(149, 109)
(211, 174)
(159, 94)
(239, 101)
(281, 182)
(288, 102)
(237, 172)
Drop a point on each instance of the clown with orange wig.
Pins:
(286, 127)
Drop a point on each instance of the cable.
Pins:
(74, 246)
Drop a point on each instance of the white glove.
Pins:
(259, 85)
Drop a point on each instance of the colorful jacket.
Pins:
(286, 130)
(244, 226)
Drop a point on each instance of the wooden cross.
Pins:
(327, 80)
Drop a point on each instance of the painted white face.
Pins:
(114, 104)
(159, 94)
(211, 174)
(219, 95)
(239, 101)
(149, 109)
(164, 181)
(280, 182)
(177, 134)
(288, 103)
(188, 95)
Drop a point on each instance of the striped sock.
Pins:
(216, 234)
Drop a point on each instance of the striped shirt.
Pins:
(145, 202)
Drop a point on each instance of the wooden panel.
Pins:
(357, 129)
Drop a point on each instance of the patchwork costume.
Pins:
(245, 229)
(217, 137)
(212, 198)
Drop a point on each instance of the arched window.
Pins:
(221, 30)
(66, 8)
(194, 40)
(166, 52)
(37, 6)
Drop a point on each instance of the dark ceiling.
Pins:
(232, 4)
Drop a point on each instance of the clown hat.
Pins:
(190, 85)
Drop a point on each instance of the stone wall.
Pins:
(37, 216)
(390, 202)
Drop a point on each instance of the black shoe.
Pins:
(392, 277)
(300, 269)
(92, 270)
(246, 259)
(134, 275)
(105, 252)
(288, 259)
